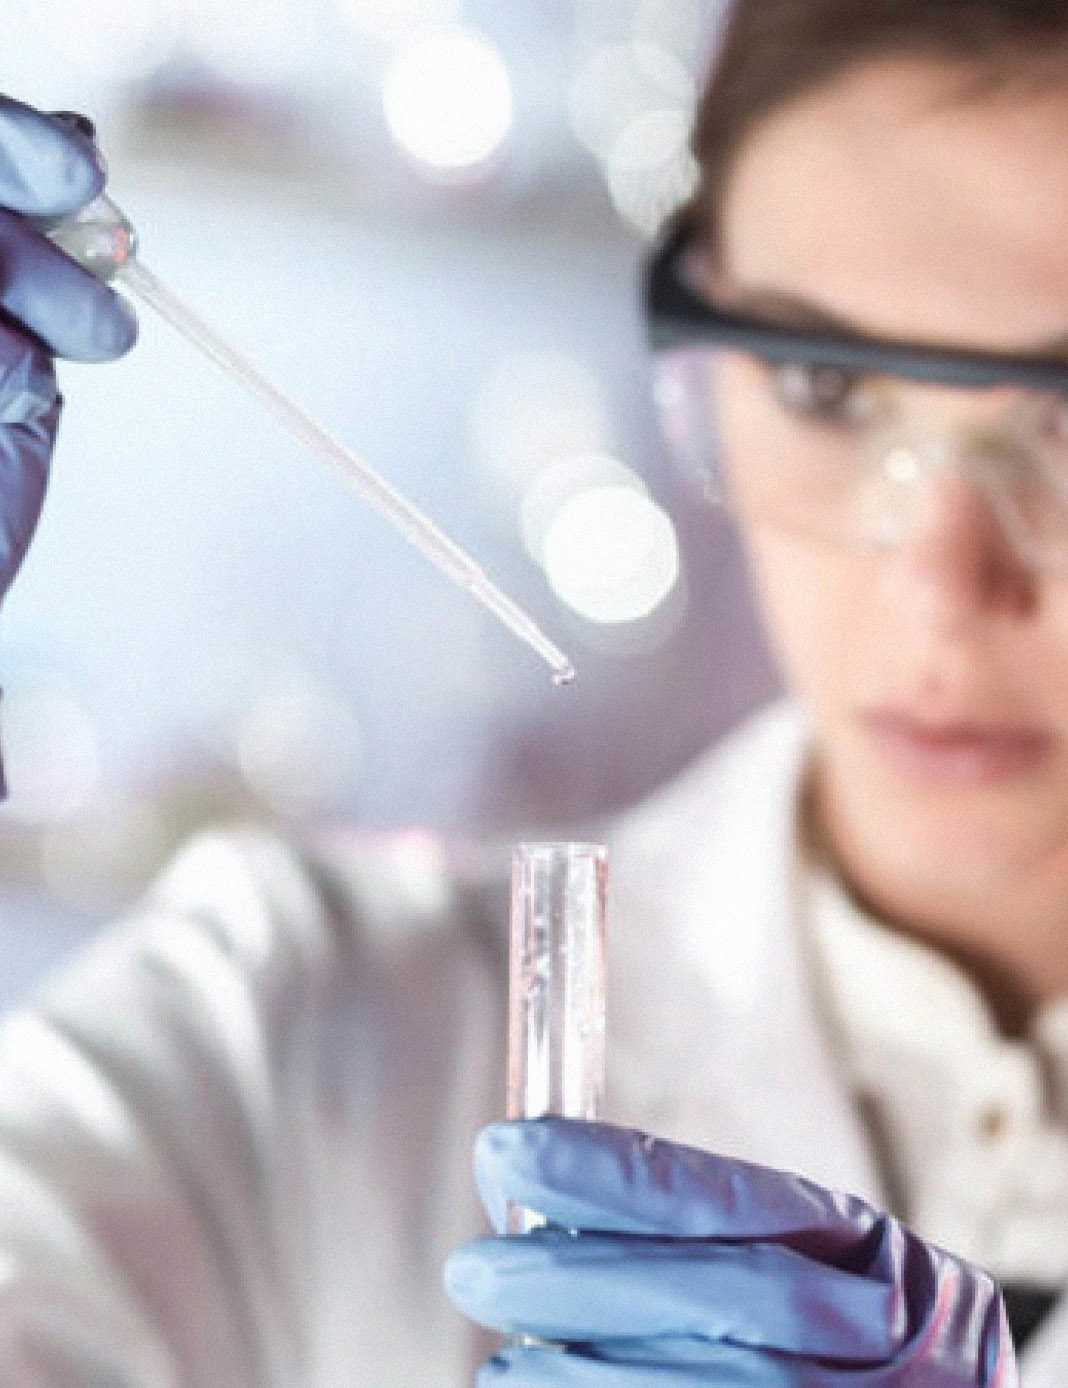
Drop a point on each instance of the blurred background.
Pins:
(424, 218)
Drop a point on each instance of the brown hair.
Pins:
(772, 51)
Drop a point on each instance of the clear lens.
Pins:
(847, 456)
(684, 389)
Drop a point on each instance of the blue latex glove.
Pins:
(49, 306)
(693, 1269)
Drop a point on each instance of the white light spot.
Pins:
(397, 19)
(300, 745)
(448, 100)
(902, 465)
(622, 83)
(556, 484)
(418, 861)
(612, 554)
(534, 409)
(654, 140)
(51, 754)
(645, 180)
(632, 107)
(678, 25)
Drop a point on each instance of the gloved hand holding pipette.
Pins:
(689, 1268)
(102, 239)
(50, 169)
(49, 307)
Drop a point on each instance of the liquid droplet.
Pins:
(565, 675)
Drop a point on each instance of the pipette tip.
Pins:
(565, 674)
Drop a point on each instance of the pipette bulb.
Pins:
(100, 237)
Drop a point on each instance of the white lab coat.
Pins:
(235, 1134)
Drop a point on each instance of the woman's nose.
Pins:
(955, 565)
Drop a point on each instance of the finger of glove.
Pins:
(48, 167)
(29, 415)
(651, 1363)
(732, 1366)
(596, 1176)
(557, 1286)
(66, 308)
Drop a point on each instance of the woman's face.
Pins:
(936, 670)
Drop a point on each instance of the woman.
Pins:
(234, 1137)
(877, 179)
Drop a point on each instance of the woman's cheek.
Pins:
(816, 602)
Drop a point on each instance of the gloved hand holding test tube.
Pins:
(655, 1263)
(102, 239)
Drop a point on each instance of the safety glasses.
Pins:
(679, 316)
(838, 435)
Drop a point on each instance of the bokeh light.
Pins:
(405, 864)
(611, 554)
(558, 483)
(622, 83)
(396, 19)
(51, 755)
(651, 171)
(680, 26)
(299, 747)
(448, 100)
(532, 410)
(631, 105)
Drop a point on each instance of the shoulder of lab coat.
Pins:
(235, 1133)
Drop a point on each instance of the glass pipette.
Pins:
(103, 240)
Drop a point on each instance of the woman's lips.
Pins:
(954, 753)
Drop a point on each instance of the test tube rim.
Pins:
(569, 846)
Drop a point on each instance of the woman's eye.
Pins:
(826, 394)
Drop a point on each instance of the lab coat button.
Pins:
(993, 1122)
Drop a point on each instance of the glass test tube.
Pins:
(556, 987)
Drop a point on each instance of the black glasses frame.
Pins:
(678, 317)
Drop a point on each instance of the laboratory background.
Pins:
(423, 219)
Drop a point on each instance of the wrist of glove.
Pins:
(689, 1268)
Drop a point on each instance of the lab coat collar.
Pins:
(715, 1036)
